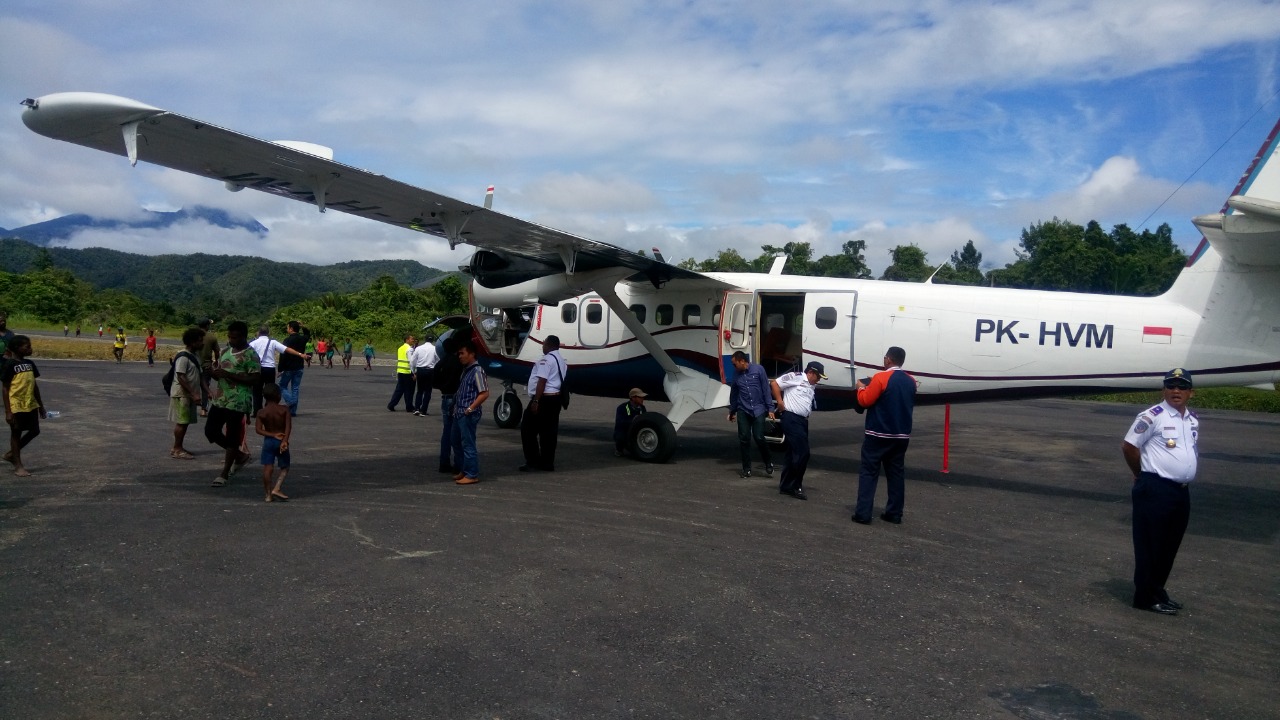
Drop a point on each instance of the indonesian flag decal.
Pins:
(1157, 334)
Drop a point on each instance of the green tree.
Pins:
(849, 263)
(908, 264)
(799, 258)
(966, 265)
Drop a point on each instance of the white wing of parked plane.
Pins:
(307, 172)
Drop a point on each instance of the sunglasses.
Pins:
(1177, 386)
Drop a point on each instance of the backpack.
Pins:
(166, 380)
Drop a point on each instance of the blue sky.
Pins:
(690, 126)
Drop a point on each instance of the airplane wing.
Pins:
(303, 172)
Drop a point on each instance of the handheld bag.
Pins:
(564, 394)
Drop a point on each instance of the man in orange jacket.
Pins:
(890, 400)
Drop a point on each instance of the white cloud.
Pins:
(691, 126)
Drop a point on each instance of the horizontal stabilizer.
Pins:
(1248, 236)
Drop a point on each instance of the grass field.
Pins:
(95, 348)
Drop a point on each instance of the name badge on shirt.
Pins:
(1170, 437)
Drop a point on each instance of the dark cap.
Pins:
(816, 367)
(1178, 375)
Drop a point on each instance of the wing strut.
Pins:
(644, 337)
(688, 391)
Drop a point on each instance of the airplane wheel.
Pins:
(652, 438)
(507, 411)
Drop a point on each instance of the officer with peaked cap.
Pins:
(793, 393)
(1161, 448)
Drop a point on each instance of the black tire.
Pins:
(507, 411)
(651, 438)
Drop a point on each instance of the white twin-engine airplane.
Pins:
(627, 320)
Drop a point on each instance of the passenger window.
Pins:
(569, 313)
(692, 314)
(825, 319)
(715, 316)
(664, 315)
(639, 311)
(595, 313)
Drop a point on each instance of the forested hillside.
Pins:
(212, 285)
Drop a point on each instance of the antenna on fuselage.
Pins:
(657, 255)
(488, 198)
(929, 280)
(779, 262)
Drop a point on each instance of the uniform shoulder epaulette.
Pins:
(1192, 413)
(1156, 410)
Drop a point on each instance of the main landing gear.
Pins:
(508, 410)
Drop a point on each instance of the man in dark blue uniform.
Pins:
(1161, 449)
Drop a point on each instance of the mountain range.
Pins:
(49, 231)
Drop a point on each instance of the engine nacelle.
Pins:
(547, 289)
(496, 270)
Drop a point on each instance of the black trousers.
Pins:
(796, 429)
(268, 377)
(892, 453)
(404, 388)
(423, 399)
(224, 428)
(1161, 509)
(538, 432)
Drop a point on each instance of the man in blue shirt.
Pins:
(473, 390)
(750, 401)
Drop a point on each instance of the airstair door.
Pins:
(737, 321)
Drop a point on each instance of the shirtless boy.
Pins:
(274, 425)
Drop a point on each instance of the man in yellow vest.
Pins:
(404, 376)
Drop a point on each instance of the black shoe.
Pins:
(1161, 608)
(768, 469)
(895, 519)
(798, 493)
(1170, 602)
(744, 473)
(861, 520)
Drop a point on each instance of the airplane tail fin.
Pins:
(1244, 236)
(1231, 283)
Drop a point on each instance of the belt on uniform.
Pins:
(1175, 483)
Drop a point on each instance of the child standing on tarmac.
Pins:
(274, 425)
(23, 407)
(368, 354)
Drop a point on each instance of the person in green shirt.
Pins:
(346, 354)
(368, 354)
(237, 370)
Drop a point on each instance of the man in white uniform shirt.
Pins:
(541, 421)
(1161, 448)
(423, 359)
(267, 350)
(793, 393)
